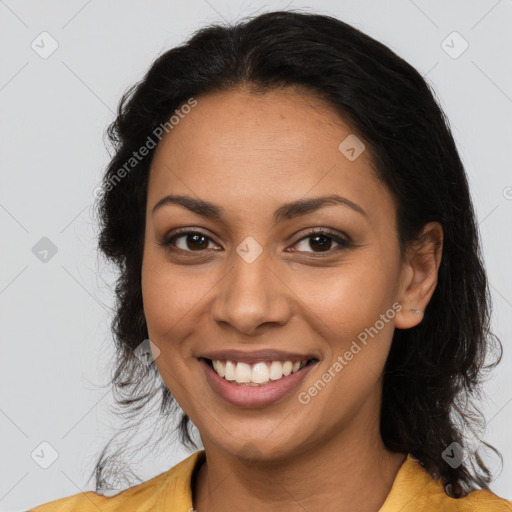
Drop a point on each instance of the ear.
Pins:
(419, 272)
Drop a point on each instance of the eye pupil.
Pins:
(196, 237)
(325, 244)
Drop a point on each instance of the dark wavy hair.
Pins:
(434, 372)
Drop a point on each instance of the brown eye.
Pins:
(193, 241)
(187, 241)
(322, 242)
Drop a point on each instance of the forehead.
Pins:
(283, 144)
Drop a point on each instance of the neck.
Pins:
(336, 475)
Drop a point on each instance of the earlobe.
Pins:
(408, 317)
(422, 262)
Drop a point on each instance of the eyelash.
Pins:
(343, 242)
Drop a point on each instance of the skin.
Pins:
(249, 154)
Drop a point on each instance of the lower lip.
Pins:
(254, 396)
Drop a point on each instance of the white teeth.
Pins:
(287, 368)
(229, 370)
(243, 373)
(220, 369)
(276, 370)
(259, 373)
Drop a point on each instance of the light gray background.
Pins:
(55, 315)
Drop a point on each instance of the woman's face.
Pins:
(252, 285)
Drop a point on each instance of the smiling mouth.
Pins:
(256, 374)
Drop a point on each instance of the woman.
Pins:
(295, 235)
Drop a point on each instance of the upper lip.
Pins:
(256, 355)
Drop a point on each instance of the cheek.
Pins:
(166, 305)
(170, 295)
(352, 308)
(351, 297)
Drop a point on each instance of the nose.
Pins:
(252, 297)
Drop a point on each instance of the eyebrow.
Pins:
(286, 211)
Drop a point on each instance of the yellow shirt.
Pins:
(413, 491)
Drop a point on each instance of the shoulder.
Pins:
(485, 500)
(476, 501)
(414, 490)
(166, 492)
